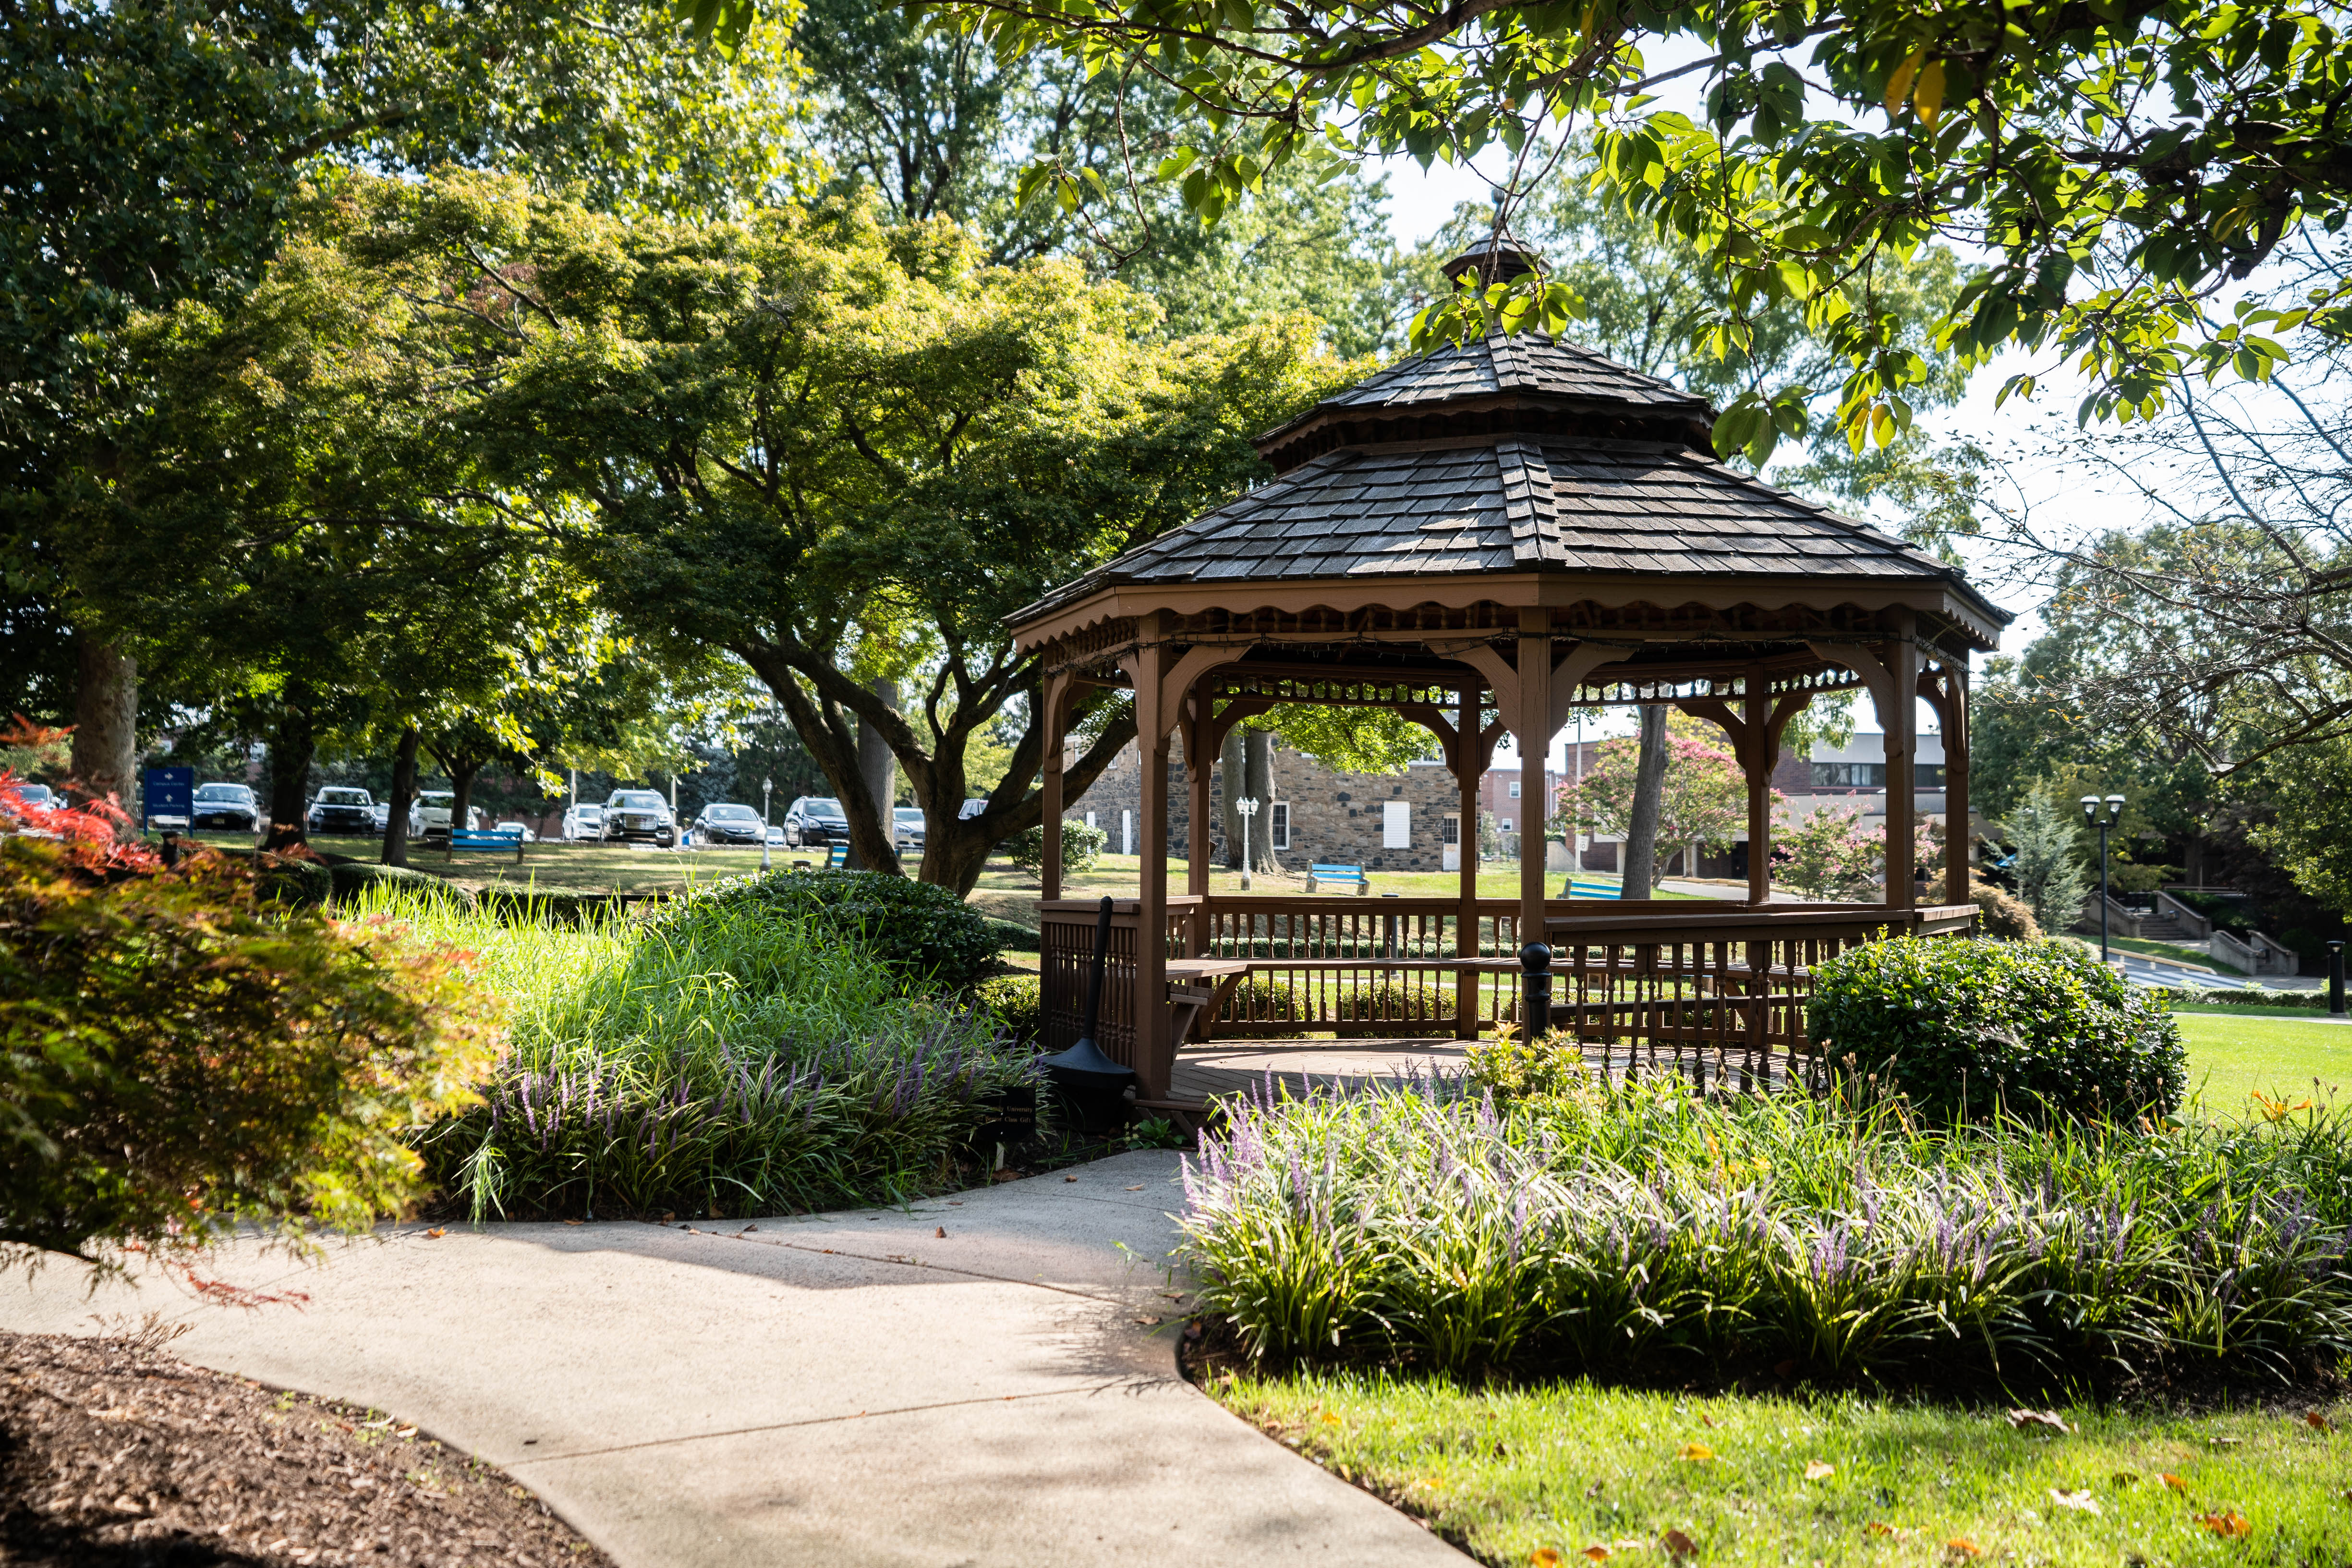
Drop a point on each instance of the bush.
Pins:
(1261, 997)
(1407, 1000)
(177, 1055)
(1511, 1070)
(2001, 913)
(1011, 937)
(1968, 1027)
(1645, 1231)
(920, 929)
(1018, 1001)
(731, 1063)
(1081, 847)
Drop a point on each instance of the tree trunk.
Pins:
(403, 795)
(879, 768)
(293, 744)
(1232, 770)
(1641, 877)
(461, 786)
(1257, 772)
(2192, 859)
(106, 722)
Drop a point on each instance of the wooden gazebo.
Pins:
(1483, 538)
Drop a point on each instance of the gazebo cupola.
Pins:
(1486, 537)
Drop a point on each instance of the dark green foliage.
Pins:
(922, 931)
(1968, 1028)
(1019, 1003)
(1011, 937)
(295, 880)
(2227, 913)
(1081, 846)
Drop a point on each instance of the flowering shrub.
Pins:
(178, 1054)
(1969, 1027)
(1641, 1231)
(1703, 798)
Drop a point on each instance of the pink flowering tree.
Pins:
(1703, 800)
(1830, 854)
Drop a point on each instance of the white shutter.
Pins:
(1396, 825)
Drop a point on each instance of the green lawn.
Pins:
(2171, 952)
(1571, 1474)
(2229, 1057)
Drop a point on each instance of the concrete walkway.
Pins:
(838, 1389)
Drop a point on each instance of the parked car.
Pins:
(728, 824)
(585, 820)
(225, 805)
(40, 797)
(341, 810)
(776, 835)
(906, 827)
(512, 827)
(429, 817)
(631, 814)
(815, 819)
(380, 814)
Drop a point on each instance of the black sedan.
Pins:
(225, 805)
(341, 811)
(815, 819)
(728, 825)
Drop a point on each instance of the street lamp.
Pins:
(2114, 810)
(766, 800)
(1248, 808)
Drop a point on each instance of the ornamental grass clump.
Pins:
(1642, 1232)
(735, 1064)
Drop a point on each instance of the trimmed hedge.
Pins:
(920, 929)
(1013, 937)
(1969, 1027)
(1019, 1003)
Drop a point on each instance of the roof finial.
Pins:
(1498, 258)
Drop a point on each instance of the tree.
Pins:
(1701, 797)
(2118, 163)
(843, 450)
(1828, 855)
(2046, 847)
(157, 152)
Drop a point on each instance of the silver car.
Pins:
(637, 814)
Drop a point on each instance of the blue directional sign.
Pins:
(170, 797)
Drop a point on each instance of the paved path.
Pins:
(839, 1389)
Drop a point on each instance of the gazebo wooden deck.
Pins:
(1483, 539)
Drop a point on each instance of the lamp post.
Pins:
(1248, 809)
(767, 801)
(2113, 814)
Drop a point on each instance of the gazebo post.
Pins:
(1757, 759)
(1469, 762)
(1901, 724)
(1956, 740)
(1534, 733)
(1152, 722)
(1049, 788)
(1198, 760)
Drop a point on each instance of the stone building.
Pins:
(1382, 822)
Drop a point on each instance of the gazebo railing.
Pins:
(1647, 981)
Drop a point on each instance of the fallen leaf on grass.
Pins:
(1818, 1469)
(1695, 1453)
(1596, 1553)
(2316, 1422)
(2080, 1502)
(2049, 1420)
(2229, 1523)
(1704, 1419)
(1961, 1548)
(1880, 1528)
(2175, 1482)
(1677, 1544)
(1329, 1419)
(1544, 1557)
(1008, 1175)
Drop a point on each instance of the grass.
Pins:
(1574, 1473)
(2231, 1057)
(721, 1064)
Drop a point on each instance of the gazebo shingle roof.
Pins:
(1530, 364)
(1511, 503)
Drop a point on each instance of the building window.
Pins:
(1452, 829)
(1506, 824)
(1277, 824)
(1396, 825)
(1090, 819)
(1849, 776)
(1515, 789)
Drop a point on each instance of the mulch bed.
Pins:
(113, 1452)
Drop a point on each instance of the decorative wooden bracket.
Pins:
(1568, 673)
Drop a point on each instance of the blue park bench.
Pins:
(835, 857)
(1340, 877)
(494, 841)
